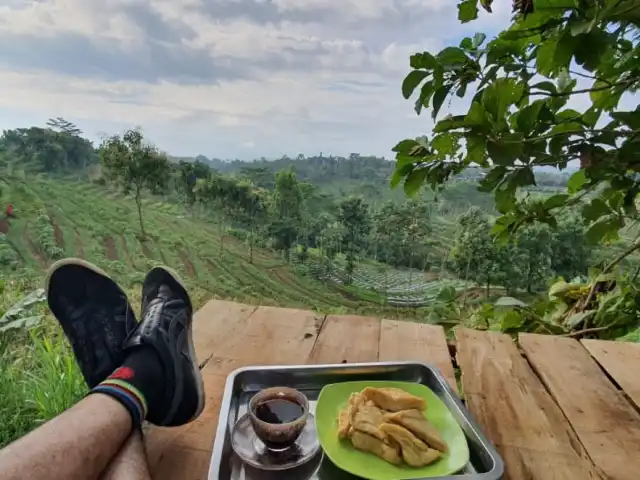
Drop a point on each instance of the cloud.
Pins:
(226, 77)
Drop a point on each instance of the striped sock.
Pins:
(128, 395)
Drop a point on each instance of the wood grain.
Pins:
(214, 323)
(273, 336)
(347, 339)
(515, 410)
(605, 422)
(406, 341)
(621, 360)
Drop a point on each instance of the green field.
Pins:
(62, 217)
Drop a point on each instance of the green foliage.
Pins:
(518, 120)
(45, 237)
(134, 165)
(55, 149)
(8, 256)
(353, 214)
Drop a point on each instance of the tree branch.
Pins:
(627, 83)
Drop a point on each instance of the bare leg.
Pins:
(77, 445)
(131, 461)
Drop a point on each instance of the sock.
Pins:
(139, 379)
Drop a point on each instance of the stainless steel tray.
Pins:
(242, 384)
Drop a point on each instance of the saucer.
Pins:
(250, 448)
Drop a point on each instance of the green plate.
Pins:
(336, 396)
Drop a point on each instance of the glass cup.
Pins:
(278, 436)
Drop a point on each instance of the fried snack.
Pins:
(367, 419)
(394, 399)
(414, 421)
(414, 451)
(374, 445)
(344, 422)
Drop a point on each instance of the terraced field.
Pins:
(63, 217)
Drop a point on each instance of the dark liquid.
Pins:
(279, 410)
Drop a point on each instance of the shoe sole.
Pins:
(192, 351)
(73, 261)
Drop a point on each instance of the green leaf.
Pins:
(564, 80)
(604, 99)
(545, 57)
(414, 181)
(528, 116)
(461, 92)
(425, 96)
(489, 76)
(478, 39)
(591, 116)
(576, 182)
(570, 127)
(466, 43)
(556, 201)
(546, 86)
(438, 99)
(405, 146)
(555, 54)
(578, 318)
(476, 150)
(452, 56)
(582, 26)
(476, 116)
(509, 302)
(446, 143)
(604, 229)
(467, 10)
(423, 60)
(449, 123)
(504, 153)
(595, 209)
(630, 119)
(511, 321)
(492, 179)
(411, 82)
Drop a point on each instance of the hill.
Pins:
(58, 217)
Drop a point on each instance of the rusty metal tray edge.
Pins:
(469, 425)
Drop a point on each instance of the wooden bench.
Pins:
(555, 408)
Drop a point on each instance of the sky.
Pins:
(227, 78)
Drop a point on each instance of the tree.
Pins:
(135, 166)
(188, 173)
(353, 214)
(252, 210)
(286, 212)
(519, 85)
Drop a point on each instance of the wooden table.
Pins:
(554, 407)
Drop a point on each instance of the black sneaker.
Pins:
(167, 316)
(94, 313)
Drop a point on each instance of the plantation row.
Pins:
(68, 218)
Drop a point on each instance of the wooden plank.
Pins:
(605, 422)
(619, 360)
(266, 336)
(516, 412)
(273, 336)
(405, 341)
(214, 323)
(347, 339)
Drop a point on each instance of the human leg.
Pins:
(159, 378)
(130, 463)
(77, 445)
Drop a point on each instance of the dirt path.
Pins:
(4, 226)
(33, 248)
(57, 233)
(191, 271)
(126, 251)
(110, 245)
(146, 250)
(79, 247)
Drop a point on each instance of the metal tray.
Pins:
(242, 384)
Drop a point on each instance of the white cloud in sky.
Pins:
(226, 78)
